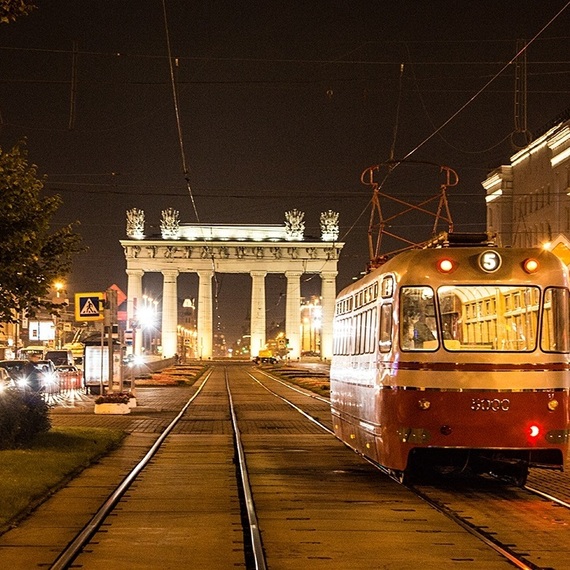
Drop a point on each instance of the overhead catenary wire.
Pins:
(484, 88)
(185, 168)
(432, 122)
(73, 94)
(177, 113)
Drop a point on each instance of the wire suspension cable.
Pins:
(181, 141)
(510, 62)
(177, 113)
(73, 94)
(397, 120)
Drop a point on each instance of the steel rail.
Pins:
(547, 496)
(68, 555)
(295, 388)
(504, 551)
(294, 406)
(256, 542)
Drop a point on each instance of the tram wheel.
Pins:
(520, 474)
(402, 477)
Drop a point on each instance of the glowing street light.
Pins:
(58, 286)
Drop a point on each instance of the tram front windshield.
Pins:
(484, 318)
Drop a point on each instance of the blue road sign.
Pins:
(89, 306)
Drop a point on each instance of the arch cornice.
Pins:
(231, 256)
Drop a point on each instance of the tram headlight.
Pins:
(446, 265)
(424, 404)
(530, 265)
(552, 405)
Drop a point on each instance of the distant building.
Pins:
(528, 201)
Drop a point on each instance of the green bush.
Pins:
(22, 416)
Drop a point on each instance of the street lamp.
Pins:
(146, 316)
(59, 287)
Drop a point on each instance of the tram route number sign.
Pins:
(89, 306)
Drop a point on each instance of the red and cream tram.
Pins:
(453, 357)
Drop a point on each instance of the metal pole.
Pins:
(101, 389)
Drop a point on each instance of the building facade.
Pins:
(528, 201)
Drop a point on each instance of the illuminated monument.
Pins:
(254, 249)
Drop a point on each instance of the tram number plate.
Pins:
(490, 405)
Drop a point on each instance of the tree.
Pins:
(31, 258)
(12, 9)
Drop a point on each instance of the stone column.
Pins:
(328, 298)
(169, 313)
(257, 341)
(205, 328)
(293, 312)
(134, 298)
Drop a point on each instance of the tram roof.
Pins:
(418, 266)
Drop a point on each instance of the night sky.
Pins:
(281, 105)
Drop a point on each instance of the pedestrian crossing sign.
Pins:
(89, 306)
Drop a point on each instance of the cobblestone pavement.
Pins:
(156, 407)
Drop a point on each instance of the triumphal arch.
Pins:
(254, 249)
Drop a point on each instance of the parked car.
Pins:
(128, 359)
(50, 381)
(14, 369)
(5, 380)
(60, 357)
(310, 353)
(265, 360)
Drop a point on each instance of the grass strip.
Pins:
(27, 476)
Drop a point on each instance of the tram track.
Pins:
(253, 550)
(258, 553)
(250, 454)
(68, 555)
(563, 502)
(504, 550)
(523, 524)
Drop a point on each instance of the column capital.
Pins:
(293, 274)
(256, 273)
(170, 272)
(329, 274)
(134, 272)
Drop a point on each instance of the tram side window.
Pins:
(418, 330)
(373, 329)
(385, 337)
(554, 336)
